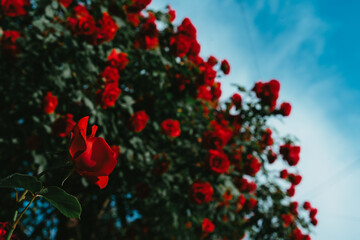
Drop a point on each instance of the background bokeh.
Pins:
(312, 48)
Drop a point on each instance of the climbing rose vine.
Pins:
(167, 157)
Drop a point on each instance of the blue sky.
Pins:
(312, 48)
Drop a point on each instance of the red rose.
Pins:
(109, 95)
(307, 205)
(225, 66)
(212, 61)
(285, 109)
(240, 203)
(106, 30)
(291, 191)
(216, 91)
(117, 60)
(134, 18)
(271, 156)
(49, 103)
(252, 165)
(250, 204)
(313, 212)
(287, 219)
(63, 125)
(217, 138)
(208, 75)
(207, 226)
(65, 3)
(294, 178)
(138, 120)
(171, 128)
(294, 207)
(80, 11)
(290, 153)
(227, 196)
(204, 92)
(194, 51)
(171, 13)
(187, 28)
(244, 185)
(8, 43)
(110, 75)
(217, 161)
(81, 22)
(284, 174)
(236, 100)
(13, 8)
(314, 221)
(297, 234)
(201, 192)
(92, 156)
(268, 92)
(180, 45)
(266, 139)
(147, 38)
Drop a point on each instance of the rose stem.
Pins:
(13, 226)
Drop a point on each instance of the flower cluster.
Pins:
(110, 91)
(82, 23)
(268, 92)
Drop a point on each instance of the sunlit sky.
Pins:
(312, 48)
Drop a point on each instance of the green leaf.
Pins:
(18, 180)
(67, 204)
(49, 12)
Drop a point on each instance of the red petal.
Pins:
(101, 181)
(104, 157)
(78, 139)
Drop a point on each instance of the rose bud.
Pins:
(225, 67)
(171, 128)
(307, 205)
(92, 156)
(314, 221)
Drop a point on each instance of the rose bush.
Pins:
(184, 162)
